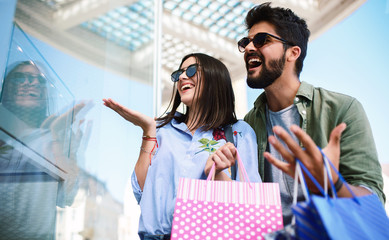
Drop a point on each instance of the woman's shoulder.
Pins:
(243, 128)
(240, 124)
(243, 131)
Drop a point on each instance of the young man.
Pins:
(296, 117)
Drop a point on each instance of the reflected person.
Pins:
(28, 193)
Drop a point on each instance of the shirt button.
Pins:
(297, 99)
(304, 112)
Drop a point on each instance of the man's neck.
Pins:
(281, 93)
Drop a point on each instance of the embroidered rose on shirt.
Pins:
(218, 134)
(210, 145)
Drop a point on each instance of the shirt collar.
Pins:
(179, 125)
(305, 90)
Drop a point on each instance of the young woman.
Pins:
(187, 144)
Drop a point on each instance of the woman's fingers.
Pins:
(114, 105)
(208, 166)
(224, 157)
(133, 116)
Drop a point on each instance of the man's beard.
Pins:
(268, 74)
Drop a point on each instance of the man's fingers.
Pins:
(336, 135)
(309, 145)
(280, 147)
(283, 166)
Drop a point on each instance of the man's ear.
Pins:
(293, 53)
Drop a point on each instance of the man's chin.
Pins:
(251, 83)
(257, 83)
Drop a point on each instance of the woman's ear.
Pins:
(293, 53)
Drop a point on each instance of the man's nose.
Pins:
(250, 47)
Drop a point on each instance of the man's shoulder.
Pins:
(259, 106)
(322, 95)
(333, 93)
(252, 115)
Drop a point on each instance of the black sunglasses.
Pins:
(190, 72)
(21, 77)
(258, 40)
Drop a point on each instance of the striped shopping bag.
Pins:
(207, 209)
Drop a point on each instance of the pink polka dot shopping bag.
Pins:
(223, 210)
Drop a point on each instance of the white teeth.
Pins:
(186, 86)
(253, 60)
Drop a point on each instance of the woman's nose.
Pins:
(183, 76)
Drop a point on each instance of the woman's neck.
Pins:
(191, 122)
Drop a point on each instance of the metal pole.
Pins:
(157, 91)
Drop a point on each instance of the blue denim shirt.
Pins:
(181, 154)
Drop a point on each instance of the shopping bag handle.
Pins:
(304, 187)
(327, 163)
(299, 175)
(242, 171)
(326, 159)
(211, 174)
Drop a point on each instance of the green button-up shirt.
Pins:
(321, 111)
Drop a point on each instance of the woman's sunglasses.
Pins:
(21, 77)
(258, 40)
(190, 72)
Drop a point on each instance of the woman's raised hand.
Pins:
(147, 123)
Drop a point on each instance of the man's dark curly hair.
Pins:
(287, 25)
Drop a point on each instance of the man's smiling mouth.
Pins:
(254, 62)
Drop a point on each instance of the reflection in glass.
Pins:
(30, 191)
(54, 184)
(39, 142)
(25, 94)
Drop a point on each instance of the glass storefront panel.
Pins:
(65, 159)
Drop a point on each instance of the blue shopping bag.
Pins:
(325, 217)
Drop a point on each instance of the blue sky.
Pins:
(352, 58)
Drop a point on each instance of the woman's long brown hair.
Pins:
(216, 103)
